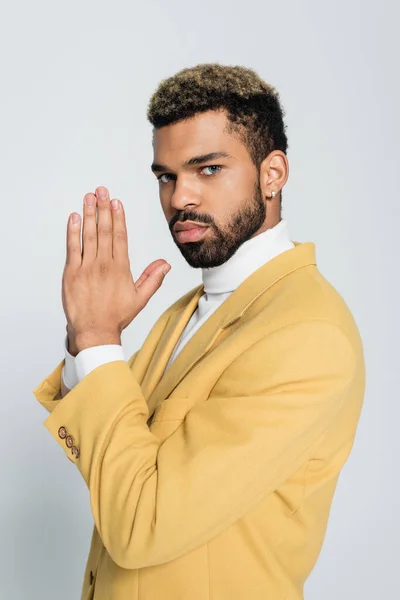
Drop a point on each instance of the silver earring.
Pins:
(273, 194)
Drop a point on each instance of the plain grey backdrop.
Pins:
(76, 78)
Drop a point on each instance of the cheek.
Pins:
(233, 188)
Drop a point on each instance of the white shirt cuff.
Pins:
(87, 360)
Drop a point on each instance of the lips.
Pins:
(187, 225)
(192, 234)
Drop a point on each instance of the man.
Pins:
(212, 455)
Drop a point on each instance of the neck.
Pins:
(269, 223)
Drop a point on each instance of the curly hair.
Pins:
(252, 106)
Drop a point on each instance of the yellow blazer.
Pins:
(214, 481)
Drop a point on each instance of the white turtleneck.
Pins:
(219, 283)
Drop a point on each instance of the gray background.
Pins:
(76, 79)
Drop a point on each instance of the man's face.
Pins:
(221, 192)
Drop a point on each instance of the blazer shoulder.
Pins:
(330, 305)
(307, 295)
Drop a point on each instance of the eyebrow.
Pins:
(195, 160)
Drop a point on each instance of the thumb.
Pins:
(152, 283)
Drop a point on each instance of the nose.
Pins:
(184, 195)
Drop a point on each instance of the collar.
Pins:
(251, 255)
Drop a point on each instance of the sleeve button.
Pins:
(69, 440)
(62, 432)
(75, 451)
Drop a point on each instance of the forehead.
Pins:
(202, 134)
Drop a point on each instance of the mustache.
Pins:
(191, 216)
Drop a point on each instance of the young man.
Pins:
(212, 455)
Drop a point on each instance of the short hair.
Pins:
(252, 106)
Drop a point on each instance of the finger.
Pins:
(104, 225)
(148, 271)
(74, 252)
(153, 282)
(89, 230)
(120, 234)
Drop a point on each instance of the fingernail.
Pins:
(75, 218)
(103, 193)
(115, 204)
(89, 200)
(166, 268)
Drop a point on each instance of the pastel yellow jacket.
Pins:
(214, 481)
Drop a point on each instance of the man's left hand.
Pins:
(99, 296)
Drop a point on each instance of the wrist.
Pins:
(89, 340)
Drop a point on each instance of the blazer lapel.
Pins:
(158, 384)
(176, 323)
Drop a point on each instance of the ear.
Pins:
(274, 172)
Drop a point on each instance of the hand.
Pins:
(99, 295)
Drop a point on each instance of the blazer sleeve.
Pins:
(154, 501)
(52, 383)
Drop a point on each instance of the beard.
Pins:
(220, 244)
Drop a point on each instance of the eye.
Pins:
(212, 167)
(161, 180)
